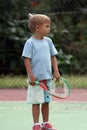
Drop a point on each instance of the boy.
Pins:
(39, 58)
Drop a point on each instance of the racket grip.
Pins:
(37, 82)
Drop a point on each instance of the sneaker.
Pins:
(48, 126)
(37, 127)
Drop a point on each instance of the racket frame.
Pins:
(43, 86)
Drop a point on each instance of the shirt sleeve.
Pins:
(53, 50)
(27, 50)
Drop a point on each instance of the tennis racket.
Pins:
(59, 89)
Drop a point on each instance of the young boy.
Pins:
(39, 58)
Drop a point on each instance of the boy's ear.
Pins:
(37, 27)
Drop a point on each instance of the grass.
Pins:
(12, 81)
(75, 81)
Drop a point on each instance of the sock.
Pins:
(45, 122)
(36, 124)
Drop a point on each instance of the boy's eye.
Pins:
(48, 26)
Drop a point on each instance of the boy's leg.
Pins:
(45, 112)
(36, 112)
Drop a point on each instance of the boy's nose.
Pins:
(49, 29)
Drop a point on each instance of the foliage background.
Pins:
(69, 33)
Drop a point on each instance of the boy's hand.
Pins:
(32, 80)
(56, 75)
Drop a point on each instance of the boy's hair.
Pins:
(37, 19)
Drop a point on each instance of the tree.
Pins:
(69, 25)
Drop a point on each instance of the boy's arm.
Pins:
(56, 73)
(29, 71)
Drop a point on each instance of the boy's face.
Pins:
(44, 29)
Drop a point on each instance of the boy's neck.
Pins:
(38, 37)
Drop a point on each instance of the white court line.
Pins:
(55, 108)
(81, 107)
(71, 108)
(52, 108)
(13, 108)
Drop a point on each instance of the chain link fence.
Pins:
(68, 32)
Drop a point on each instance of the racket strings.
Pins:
(59, 89)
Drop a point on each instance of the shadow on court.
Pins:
(64, 116)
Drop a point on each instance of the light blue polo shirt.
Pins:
(40, 52)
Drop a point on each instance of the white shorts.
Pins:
(36, 95)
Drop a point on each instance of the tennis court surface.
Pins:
(69, 114)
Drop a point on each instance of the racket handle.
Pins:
(37, 82)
